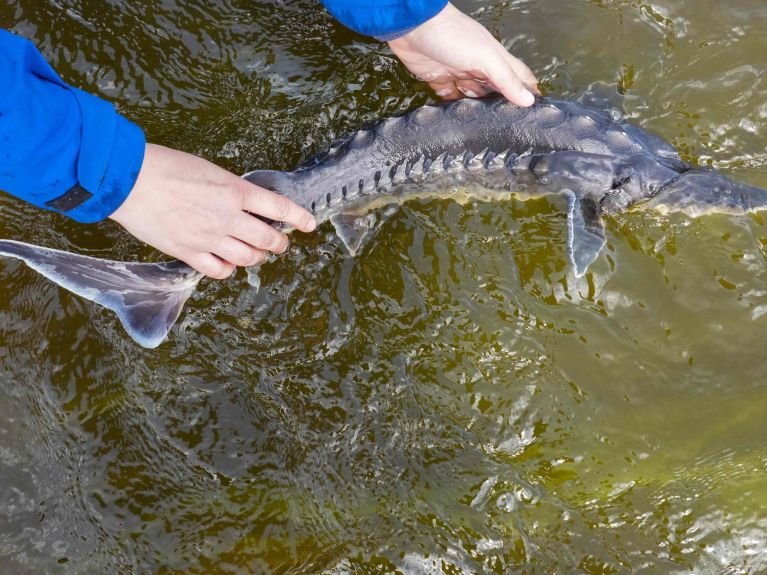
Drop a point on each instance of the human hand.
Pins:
(458, 57)
(195, 211)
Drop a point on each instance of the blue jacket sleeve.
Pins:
(384, 19)
(60, 148)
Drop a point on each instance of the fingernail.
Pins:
(467, 92)
(527, 98)
(312, 225)
(444, 92)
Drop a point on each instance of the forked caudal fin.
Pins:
(147, 297)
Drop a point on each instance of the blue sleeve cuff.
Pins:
(384, 19)
(111, 154)
(63, 149)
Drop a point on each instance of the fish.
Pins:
(485, 148)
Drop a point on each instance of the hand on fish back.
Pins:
(199, 213)
(599, 163)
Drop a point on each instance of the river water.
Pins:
(453, 399)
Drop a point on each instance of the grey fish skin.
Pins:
(602, 164)
(490, 142)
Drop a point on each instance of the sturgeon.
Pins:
(486, 147)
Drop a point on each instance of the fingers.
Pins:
(229, 253)
(258, 234)
(238, 253)
(210, 265)
(504, 73)
(460, 88)
(458, 56)
(251, 239)
(523, 73)
(513, 89)
(473, 88)
(446, 90)
(249, 245)
(194, 211)
(276, 207)
(518, 93)
(507, 80)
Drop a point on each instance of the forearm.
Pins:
(384, 19)
(60, 148)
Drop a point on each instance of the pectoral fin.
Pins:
(586, 236)
(355, 229)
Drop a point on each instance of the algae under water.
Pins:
(452, 400)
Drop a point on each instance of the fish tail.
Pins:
(147, 297)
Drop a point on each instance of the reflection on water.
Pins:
(453, 399)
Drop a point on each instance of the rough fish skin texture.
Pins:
(487, 148)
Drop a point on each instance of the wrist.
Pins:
(407, 38)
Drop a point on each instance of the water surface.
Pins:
(452, 400)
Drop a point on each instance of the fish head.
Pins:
(703, 190)
(635, 179)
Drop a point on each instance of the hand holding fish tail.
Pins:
(458, 57)
(199, 213)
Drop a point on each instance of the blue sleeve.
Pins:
(384, 19)
(60, 148)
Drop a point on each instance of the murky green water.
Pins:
(450, 401)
